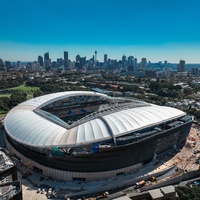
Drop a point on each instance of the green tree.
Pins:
(16, 98)
(188, 193)
(38, 93)
(187, 91)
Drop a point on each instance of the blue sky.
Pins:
(156, 29)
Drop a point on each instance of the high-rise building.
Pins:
(46, 56)
(181, 66)
(82, 62)
(60, 61)
(66, 59)
(7, 65)
(78, 58)
(105, 59)
(123, 59)
(47, 61)
(130, 60)
(195, 71)
(143, 64)
(95, 57)
(18, 64)
(1, 63)
(33, 67)
(40, 60)
(65, 55)
(135, 63)
(166, 72)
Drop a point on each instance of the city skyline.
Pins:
(154, 29)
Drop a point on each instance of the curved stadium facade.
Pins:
(74, 135)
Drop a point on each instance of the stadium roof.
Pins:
(29, 128)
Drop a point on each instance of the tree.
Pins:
(188, 193)
(38, 93)
(187, 91)
(16, 98)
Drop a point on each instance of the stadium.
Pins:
(82, 135)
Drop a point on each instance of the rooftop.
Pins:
(27, 125)
(5, 160)
(156, 194)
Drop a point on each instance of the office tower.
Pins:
(33, 67)
(60, 61)
(40, 60)
(95, 57)
(143, 64)
(105, 59)
(181, 66)
(7, 65)
(195, 71)
(65, 55)
(1, 62)
(130, 60)
(18, 64)
(166, 72)
(123, 59)
(66, 59)
(46, 56)
(135, 63)
(82, 62)
(78, 58)
(47, 61)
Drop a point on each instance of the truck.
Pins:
(140, 184)
(152, 179)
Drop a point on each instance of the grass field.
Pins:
(4, 95)
(22, 88)
(25, 89)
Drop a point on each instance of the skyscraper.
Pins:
(40, 60)
(46, 56)
(7, 65)
(95, 57)
(47, 61)
(66, 59)
(130, 60)
(143, 64)
(82, 62)
(1, 63)
(18, 64)
(78, 58)
(105, 59)
(123, 59)
(181, 66)
(135, 63)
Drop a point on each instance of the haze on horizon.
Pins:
(155, 29)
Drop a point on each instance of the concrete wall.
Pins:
(68, 175)
(175, 180)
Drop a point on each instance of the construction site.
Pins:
(174, 168)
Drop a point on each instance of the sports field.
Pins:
(25, 89)
(22, 88)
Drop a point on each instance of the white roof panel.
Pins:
(28, 127)
(140, 117)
